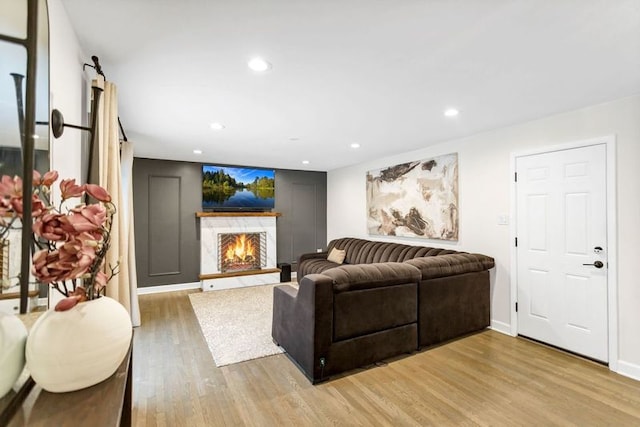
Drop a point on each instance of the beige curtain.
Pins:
(126, 165)
(108, 173)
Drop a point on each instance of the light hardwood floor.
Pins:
(483, 379)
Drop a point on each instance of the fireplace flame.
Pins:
(242, 250)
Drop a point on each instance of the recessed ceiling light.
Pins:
(305, 162)
(451, 112)
(355, 145)
(217, 126)
(259, 65)
(197, 151)
(294, 138)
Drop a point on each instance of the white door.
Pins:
(561, 234)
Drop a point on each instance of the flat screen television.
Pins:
(228, 188)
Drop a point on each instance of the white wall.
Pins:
(67, 83)
(66, 86)
(485, 180)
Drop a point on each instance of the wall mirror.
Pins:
(15, 101)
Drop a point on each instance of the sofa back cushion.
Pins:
(365, 276)
(360, 251)
(451, 264)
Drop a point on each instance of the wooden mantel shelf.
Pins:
(238, 273)
(236, 214)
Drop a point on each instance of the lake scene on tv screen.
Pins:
(226, 187)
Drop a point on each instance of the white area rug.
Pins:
(236, 323)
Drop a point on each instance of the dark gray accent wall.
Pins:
(166, 196)
(301, 197)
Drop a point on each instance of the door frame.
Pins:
(612, 244)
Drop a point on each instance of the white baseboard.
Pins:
(501, 327)
(628, 369)
(168, 288)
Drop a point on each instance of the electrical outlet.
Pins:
(503, 219)
(318, 250)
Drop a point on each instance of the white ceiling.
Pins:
(378, 73)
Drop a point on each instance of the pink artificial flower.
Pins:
(49, 178)
(67, 303)
(69, 189)
(101, 281)
(71, 261)
(75, 239)
(37, 206)
(84, 218)
(77, 257)
(90, 238)
(98, 192)
(43, 266)
(79, 295)
(96, 214)
(49, 227)
(10, 187)
(16, 205)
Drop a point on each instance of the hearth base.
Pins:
(230, 282)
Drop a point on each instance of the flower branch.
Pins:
(72, 244)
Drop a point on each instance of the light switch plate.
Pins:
(503, 219)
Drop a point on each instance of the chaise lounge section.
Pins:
(385, 299)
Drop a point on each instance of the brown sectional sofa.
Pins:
(385, 299)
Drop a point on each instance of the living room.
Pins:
(174, 378)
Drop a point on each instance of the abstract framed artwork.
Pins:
(415, 199)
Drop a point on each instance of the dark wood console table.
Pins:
(105, 404)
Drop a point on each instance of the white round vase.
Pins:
(13, 336)
(73, 349)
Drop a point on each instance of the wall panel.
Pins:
(164, 225)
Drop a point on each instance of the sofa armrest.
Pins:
(303, 321)
(451, 264)
(313, 255)
(311, 263)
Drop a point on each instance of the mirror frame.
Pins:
(31, 45)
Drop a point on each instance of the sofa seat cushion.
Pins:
(364, 276)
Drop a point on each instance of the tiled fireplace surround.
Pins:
(213, 224)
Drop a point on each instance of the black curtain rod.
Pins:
(124, 135)
(96, 66)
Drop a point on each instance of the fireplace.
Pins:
(237, 249)
(241, 251)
